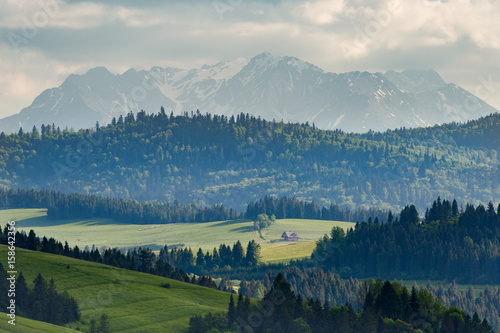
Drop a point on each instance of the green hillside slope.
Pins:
(135, 302)
(24, 325)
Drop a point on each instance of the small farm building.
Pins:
(290, 236)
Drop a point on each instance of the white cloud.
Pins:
(460, 37)
(320, 12)
(422, 23)
(82, 15)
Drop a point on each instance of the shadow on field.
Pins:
(44, 221)
(40, 222)
(243, 229)
(229, 222)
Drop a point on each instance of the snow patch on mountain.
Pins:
(273, 87)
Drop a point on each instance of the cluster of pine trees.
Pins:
(450, 245)
(41, 302)
(293, 208)
(66, 206)
(224, 257)
(387, 307)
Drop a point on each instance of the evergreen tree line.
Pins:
(224, 257)
(66, 206)
(387, 307)
(451, 244)
(40, 302)
(284, 207)
(210, 159)
(142, 259)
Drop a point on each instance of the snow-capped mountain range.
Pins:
(273, 87)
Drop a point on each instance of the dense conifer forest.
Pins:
(387, 307)
(450, 244)
(325, 286)
(211, 159)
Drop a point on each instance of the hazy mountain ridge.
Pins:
(273, 87)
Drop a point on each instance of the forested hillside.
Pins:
(212, 159)
(386, 307)
(450, 244)
(330, 288)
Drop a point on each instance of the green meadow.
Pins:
(285, 252)
(134, 302)
(107, 232)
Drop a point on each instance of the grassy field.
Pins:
(284, 252)
(107, 232)
(24, 325)
(135, 302)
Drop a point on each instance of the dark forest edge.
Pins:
(66, 206)
(449, 244)
(42, 302)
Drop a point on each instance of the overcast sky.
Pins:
(45, 41)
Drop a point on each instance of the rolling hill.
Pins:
(134, 302)
(24, 325)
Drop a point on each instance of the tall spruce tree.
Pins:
(253, 253)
